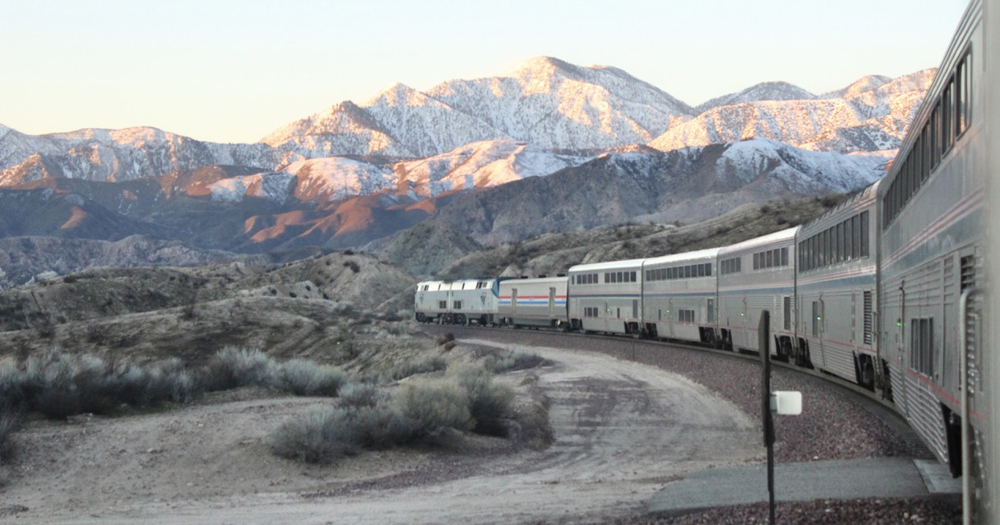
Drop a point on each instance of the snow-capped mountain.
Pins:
(117, 155)
(872, 116)
(759, 92)
(480, 165)
(546, 102)
(320, 181)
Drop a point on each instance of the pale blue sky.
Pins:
(233, 71)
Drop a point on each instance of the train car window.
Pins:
(458, 305)
(922, 346)
(927, 146)
(756, 261)
(701, 270)
(443, 305)
(842, 245)
(769, 259)
(947, 132)
(620, 278)
(708, 269)
(938, 136)
(864, 234)
(849, 253)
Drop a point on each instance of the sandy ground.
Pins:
(622, 430)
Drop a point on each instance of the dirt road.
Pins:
(622, 430)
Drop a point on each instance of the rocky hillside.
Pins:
(316, 307)
(692, 184)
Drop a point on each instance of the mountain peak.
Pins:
(757, 93)
(859, 86)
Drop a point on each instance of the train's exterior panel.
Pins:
(986, 487)
(932, 247)
(606, 297)
(534, 302)
(474, 301)
(432, 300)
(679, 296)
(836, 286)
(459, 302)
(754, 276)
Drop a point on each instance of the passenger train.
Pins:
(886, 290)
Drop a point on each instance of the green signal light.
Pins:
(819, 318)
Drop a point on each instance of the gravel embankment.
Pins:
(835, 424)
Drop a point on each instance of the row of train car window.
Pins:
(845, 242)
(770, 259)
(948, 121)
(591, 311)
(731, 265)
(609, 277)
(680, 272)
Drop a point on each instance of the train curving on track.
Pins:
(888, 290)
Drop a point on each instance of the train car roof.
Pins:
(686, 256)
(530, 280)
(778, 236)
(607, 265)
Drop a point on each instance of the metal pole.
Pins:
(763, 345)
(963, 360)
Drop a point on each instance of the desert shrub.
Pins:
(445, 338)
(490, 403)
(12, 379)
(234, 367)
(514, 360)
(381, 427)
(353, 265)
(321, 435)
(57, 403)
(360, 395)
(418, 366)
(303, 377)
(449, 346)
(9, 423)
(434, 407)
(98, 390)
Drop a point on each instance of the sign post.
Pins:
(763, 344)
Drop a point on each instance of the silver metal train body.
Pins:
(679, 294)
(754, 276)
(932, 206)
(836, 287)
(606, 297)
(534, 302)
(471, 301)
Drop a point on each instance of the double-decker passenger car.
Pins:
(534, 302)
(754, 276)
(606, 297)
(836, 285)
(932, 249)
(678, 296)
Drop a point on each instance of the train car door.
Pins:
(552, 302)
(513, 300)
